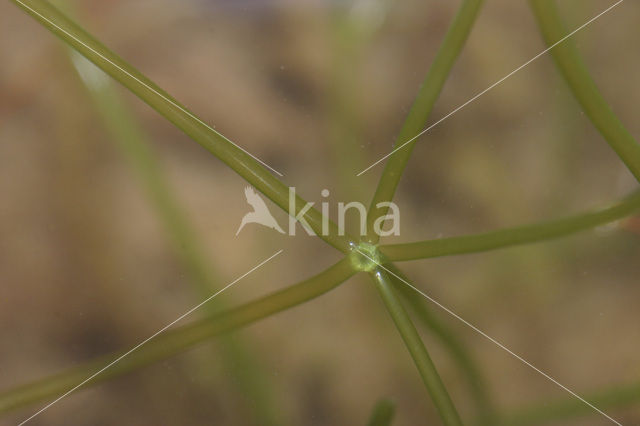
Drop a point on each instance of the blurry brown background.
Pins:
(86, 268)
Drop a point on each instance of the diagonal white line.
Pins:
(490, 87)
(146, 86)
(500, 345)
(148, 339)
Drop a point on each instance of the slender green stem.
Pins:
(239, 160)
(511, 236)
(428, 94)
(382, 414)
(570, 408)
(179, 339)
(570, 63)
(132, 142)
(343, 99)
(134, 145)
(460, 354)
(416, 348)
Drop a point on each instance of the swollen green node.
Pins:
(364, 256)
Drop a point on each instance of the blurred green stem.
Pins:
(179, 339)
(416, 348)
(460, 354)
(416, 120)
(570, 408)
(240, 161)
(570, 63)
(342, 101)
(382, 414)
(511, 236)
(133, 143)
(350, 33)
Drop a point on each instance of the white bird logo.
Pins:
(260, 213)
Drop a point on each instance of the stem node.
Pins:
(365, 256)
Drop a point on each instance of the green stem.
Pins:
(134, 145)
(460, 354)
(132, 142)
(427, 95)
(570, 63)
(343, 99)
(382, 414)
(511, 236)
(570, 408)
(239, 160)
(416, 348)
(179, 339)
